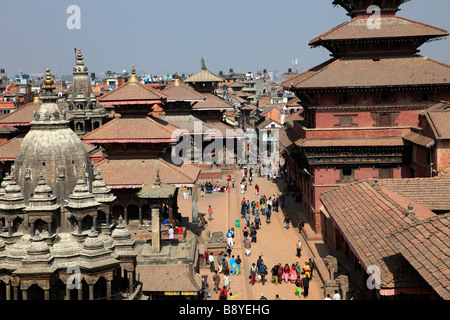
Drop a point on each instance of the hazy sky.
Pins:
(172, 35)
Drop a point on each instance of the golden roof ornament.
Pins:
(79, 57)
(133, 77)
(203, 64)
(48, 82)
(177, 80)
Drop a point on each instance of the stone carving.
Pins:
(28, 174)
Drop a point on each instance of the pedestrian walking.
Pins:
(312, 266)
(211, 263)
(229, 236)
(216, 280)
(202, 191)
(205, 288)
(232, 183)
(220, 261)
(298, 288)
(253, 205)
(247, 219)
(299, 248)
(185, 193)
(245, 233)
(305, 285)
(248, 246)
(238, 266)
(256, 189)
(253, 271)
(226, 281)
(223, 294)
(275, 274)
(257, 222)
(287, 220)
(286, 272)
(268, 215)
(233, 264)
(262, 271)
(280, 273)
(210, 212)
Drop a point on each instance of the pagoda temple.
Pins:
(137, 145)
(360, 104)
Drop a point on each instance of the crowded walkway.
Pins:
(275, 244)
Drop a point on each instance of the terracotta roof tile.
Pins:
(125, 130)
(365, 216)
(433, 193)
(132, 91)
(136, 172)
(182, 93)
(362, 72)
(9, 149)
(391, 27)
(213, 102)
(426, 246)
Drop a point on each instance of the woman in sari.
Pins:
(280, 273)
(287, 272)
(293, 274)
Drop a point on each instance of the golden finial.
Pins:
(133, 77)
(177, 80)
(79, 56)
(203, 64)
(36, 99)
(48, 82)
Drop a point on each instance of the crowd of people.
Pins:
(226, 265)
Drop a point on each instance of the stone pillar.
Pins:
(108, 289)
(125, 215)
(80, 291)
(156, 232)
(49, 228)
(140, 216)
(15, 292)
(8, 291)
(91, 292)
(170, 208)
(343, 285)
(46, 294)
(94, 222)
(25, 294)
(195, 203)
(130, 282)
(107, 218)
(10, 228)
(1, 225)
(79, 226)
(67, 292)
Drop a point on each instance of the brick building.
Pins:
(360, 104)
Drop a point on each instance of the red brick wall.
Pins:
(443, 155)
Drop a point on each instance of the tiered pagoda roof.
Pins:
(133, 130)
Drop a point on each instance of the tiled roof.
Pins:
(132, 92)
(365, 215)
(203, 76)
(391, 27)
(438, 117)
(182, 93)
(9, 149)
(419, 139)
(426, 246)
(169, 278)
(188, 122)
(348, 72)
(433, 193)
(213, 102)
(133, 173)
(145, 130)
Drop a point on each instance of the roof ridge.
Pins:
(102, 126)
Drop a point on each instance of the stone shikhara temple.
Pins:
(55, 215)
